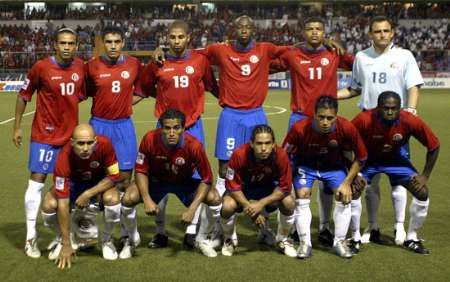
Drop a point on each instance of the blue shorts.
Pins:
(185, 192)
(304, 177)
(123, 137)
(234, 128)
(42, 157)
(195, 130)
(77, 188)
(295, 116)
(399, 172)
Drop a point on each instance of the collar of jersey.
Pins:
(312, 50)
(239, 48)
(372, 49)
(186, 56)
(314, 127)
(63, 66)
(107, 61)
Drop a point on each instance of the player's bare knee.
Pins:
(213, 198)
(38, 177)
(229, 207)
(50, 204)
(419, 194)
(111, 197)
(131, 197)
(303, 193)
(287, 206)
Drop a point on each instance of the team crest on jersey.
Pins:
(189, 70)
(125, 74)
(180, 161)
(394, 66)
(94, 164)
(45, 166)
(59, 183)
(324, 62)
(140, 158)
(87, 175)
(397, 137)
(75, 77)
(333, 143)
(230, 174)
(254, 59)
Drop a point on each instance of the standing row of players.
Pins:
(179, 83)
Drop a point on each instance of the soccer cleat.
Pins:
(294, 236)
(416, 246)
(128, 249)
(158, 241)
(287, 247)
(266, 236)
(365, 238)
(32, 249)
(189, 241)
(326, 237)
(342, 250)
(304, 250)
(354, 246)
(109, 250)
(375, 236)
(228, 248)
(206, 248)
(400, 236)
(54, 248)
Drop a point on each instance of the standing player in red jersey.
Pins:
(59, 83)
(385, 130)
(167, 161)
(113, 79)
(179, 83)
(86, 172)
(317, 147)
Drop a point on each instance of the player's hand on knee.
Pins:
(65, 256)
(344, 193)
(17, 137)
(419, 181)
(260, 221)
(358, 185)
(253, 209)
(187, 217)
(151, 208)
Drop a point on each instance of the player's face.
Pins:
(244, 29)
(262, 145)
(381, 34)
(172, 131)
(314, 33)
(390, 109)
(83, 146)
(66, 46)
(325, 119)
(113, 45)
(178, 40)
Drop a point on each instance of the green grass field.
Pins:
(252, 261)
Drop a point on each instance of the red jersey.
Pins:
(71, 168)
(244, 74)
(313, 74)
(112, 86)
(59, 90)
(323, 151)
(180, 84)
(245, 171)
(384, 140)
(172, 165)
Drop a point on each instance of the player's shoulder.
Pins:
(42, 63)
(398, 50)
(132, 60)
(103, 140)
(407, 117)
(191, 141)
(280, 153)
(301, 124)
(344, 122)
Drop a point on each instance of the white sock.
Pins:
(285, 223)
(33, 197)
(325, 202)
(355, 223)
(399, 200)
(192, 228)
(209, 216)
(228, 226)
(372, 202)
(341, 217)
(128, 219)
(51, 221)
(418, 211)
(303, 219)
(111, 217)
(220, 185)
(160, 219)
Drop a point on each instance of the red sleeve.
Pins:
(111, 163)
(83, 93)
(90, 83)
(61, 175)
(209, 80)
(233, 181)
(137, 81)
(423, 133)
(211, 52)
(278, 65)
(346, 61)
(358, 122)
(31, 83)
(285, 181)
(289, 143)
(202, 164)
(142, 164)
(148, 80)
(357, 143)
(276, 51)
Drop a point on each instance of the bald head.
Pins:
(83, 140)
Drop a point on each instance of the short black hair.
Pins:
(378, 19)
(172, 114)
(314, 20)
(243, 17)
(112, 29)
(326, 102)
(262, 128)
(65, 30)
(386, 95)
(179, 24)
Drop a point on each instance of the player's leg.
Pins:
(399, 201)
(129, 219)
(325, 203)
(286, 218)
(356, 211)
(48, 212)
(212, 207)
(228, 221)
(111, 202)
(372, 196)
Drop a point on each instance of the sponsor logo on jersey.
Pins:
(394, 66)
(102, 75)
(189, 70)
(49, 127)
(304, 62)
(168, 69)
(377, 136)
(386, 148)
(125, 75)
(323, 150)
(94, 164)
(161, 157)
(324, 62)
(140, 158)
(75, 77)
(45, 166)
(180, 161)
(59, 183)
(234, 59)
(254, 59)
(56, 77)
(230, 174)
(397, 137)
(333, 143)
(25, 84)
(229, 153)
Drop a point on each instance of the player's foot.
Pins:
(342, 250)
(32, 249)
(228, 248)
(266, 236)
(206, 248)
(400, 236)
(354, 246)
(375, 236)
(128, 248)
(189, 241)
(326, 237)
(54, 248)
(304, 250)
(109, 250)
(294, 236)
(416, 246)
(287, 247)
(159, 241)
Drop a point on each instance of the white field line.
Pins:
(11, 119)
